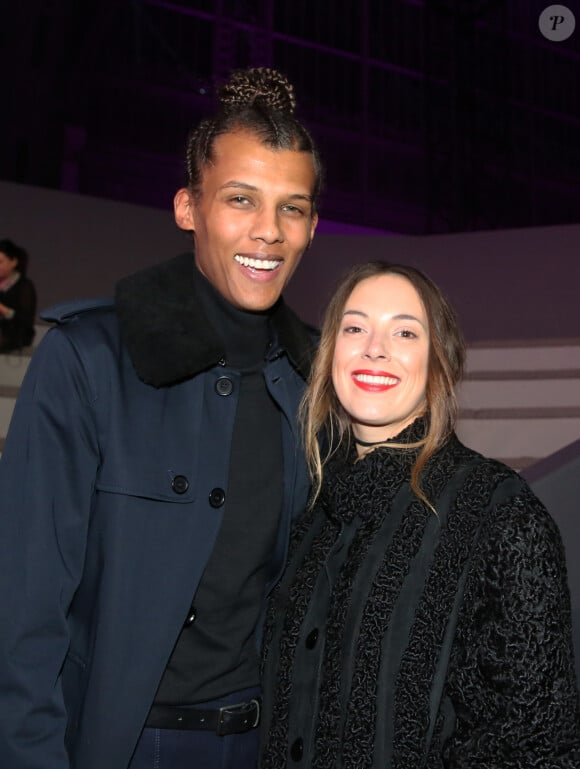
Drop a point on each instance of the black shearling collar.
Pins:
(168, 337)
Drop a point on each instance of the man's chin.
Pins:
(257, 301)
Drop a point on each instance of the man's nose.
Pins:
(267, 226)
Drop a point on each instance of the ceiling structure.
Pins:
(431, 115)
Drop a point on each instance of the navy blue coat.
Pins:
(101, 549)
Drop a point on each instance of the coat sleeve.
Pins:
(47, 476)
(512, 680)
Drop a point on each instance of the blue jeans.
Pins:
(197, 749)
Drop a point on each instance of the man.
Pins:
(152, 470)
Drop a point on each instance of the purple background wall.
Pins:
(511, 284)
(515, 284)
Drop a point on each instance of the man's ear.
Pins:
(313, 227)
(183, 209)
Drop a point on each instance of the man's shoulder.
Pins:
(86, 323)
(65, 312)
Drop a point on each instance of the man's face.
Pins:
(253, 218)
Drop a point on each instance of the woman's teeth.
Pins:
(376, 379)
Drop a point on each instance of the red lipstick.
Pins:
(374, 381)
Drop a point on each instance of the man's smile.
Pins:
(257, 263)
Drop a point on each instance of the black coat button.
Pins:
(224, 386)
(297, 749)
(217, 497)
(311, 639)
(191, 615)
(180, 484)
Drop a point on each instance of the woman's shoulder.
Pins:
(506, 500)
(489, 470)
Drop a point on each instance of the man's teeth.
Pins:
(376, 379)
(257, 264)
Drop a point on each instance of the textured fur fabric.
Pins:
(167, 334)
(399, 638)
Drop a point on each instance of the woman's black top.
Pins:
(400, 638)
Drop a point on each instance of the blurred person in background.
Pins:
(17, 298)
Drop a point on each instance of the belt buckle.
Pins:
(221, 728)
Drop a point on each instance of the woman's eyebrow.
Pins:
(400, 316)
(355, 312)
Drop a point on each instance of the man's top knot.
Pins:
(259, 87)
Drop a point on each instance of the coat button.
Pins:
(297, 749)
(311, 639)
(217, 497)
(224, 386)
(191, 615)
(180, 484)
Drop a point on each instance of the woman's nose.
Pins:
(376, 349)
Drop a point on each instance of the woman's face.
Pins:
(381, 357)
(7, 266)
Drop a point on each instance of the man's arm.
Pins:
(47, 475)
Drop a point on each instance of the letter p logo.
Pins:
(556, 23)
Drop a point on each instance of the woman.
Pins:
(17, 298)
(424, 618)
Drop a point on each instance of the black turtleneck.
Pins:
(245, 335)
(217, 655)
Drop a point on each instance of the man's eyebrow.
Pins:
(239, 185)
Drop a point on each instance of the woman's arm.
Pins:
(511, 678)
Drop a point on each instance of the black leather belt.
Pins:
(231, 719)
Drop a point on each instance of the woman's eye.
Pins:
(352, 329)
(406, 333)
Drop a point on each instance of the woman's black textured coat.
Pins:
(401, 639)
